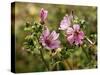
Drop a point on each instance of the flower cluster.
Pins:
(48, 39)
(73, 33)
(40, 37)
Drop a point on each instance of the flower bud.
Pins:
(43, 15)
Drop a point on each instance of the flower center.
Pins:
(76, 33)
(47, 41)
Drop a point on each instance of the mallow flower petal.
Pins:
(69, 31)
(81, 35)
(46, 32)
(70, 39)
(65, 23)
(55, 44)
(76, 27)
(78, 41)
(50, 37)
(55, 35)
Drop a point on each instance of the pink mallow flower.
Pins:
(74, 35)
(50, 40)
(65, 23)
(43, 15)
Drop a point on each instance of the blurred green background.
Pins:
(28, 12)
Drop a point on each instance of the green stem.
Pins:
(86, 54)
(45, 63)
(56, 63)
